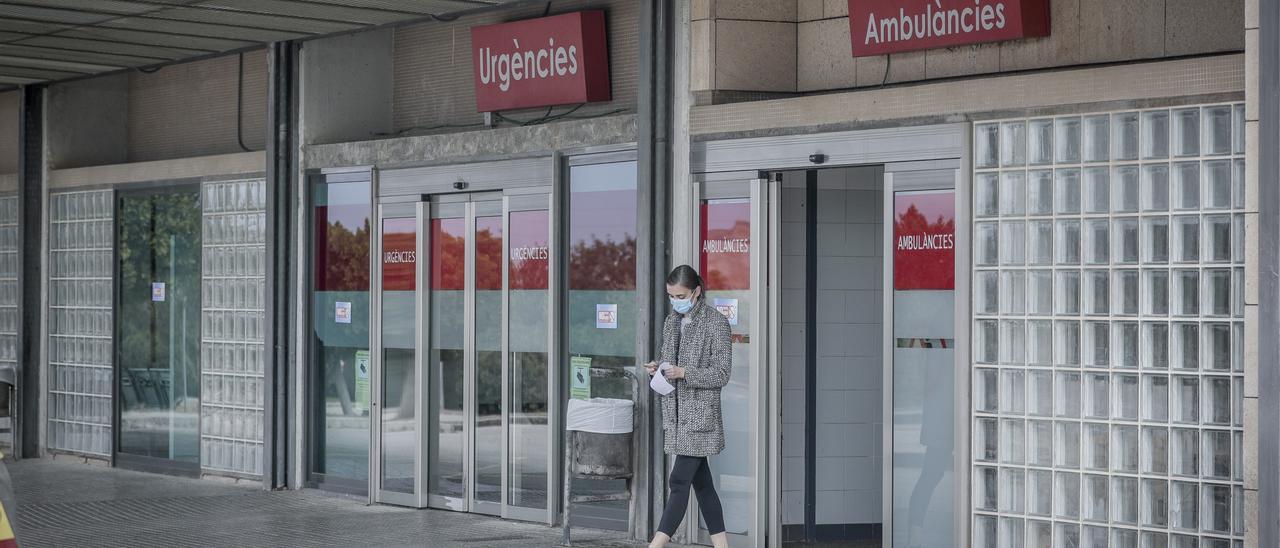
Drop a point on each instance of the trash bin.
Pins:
(602, 445)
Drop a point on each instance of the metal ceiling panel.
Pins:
(49, 40)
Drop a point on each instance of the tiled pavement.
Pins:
(64, 503)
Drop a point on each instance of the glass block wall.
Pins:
(1108, 329)
(234, 280)
(9, 319)
(79, 322)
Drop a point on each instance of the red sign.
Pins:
(558, 60)
(726, 245)
(399, 254)
(530, 256)
(924, 240)
(879, 27)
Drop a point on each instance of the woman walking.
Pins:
(697, 360)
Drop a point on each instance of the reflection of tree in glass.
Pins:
(488, 259)
(727, 270)
(912, 221)
(448, 250)
(345, 258)
(603, 265)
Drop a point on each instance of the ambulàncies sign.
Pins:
(879, 27)
(558, 60)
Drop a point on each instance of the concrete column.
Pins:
(29, 431)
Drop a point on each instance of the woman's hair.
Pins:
(684, 276)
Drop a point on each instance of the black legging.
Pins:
(697, 472)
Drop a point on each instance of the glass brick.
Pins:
(1067, 343)
(1039, 492)
(1125, 403)
(988, 240)
(1013, 287)
(1094, 502)
(1066, 535)
(1097, 190)
(1095, 446)
(1217, 184)
(1218, 244)
(1217, 401)
(1096, 130)
(1040, 341)
(1124, 500)
(984, 532)
(1237, 403)
(1186, 185)
(1011, 532)
(1155, 502)
(987, 341)
(1097, 292)
(1126, 344)
(1237, 292)
(1186, 400)
(1237, 129)
(1067, 292)
(1124, 449)
(1237, 347)
(1013, 243)
(1186, 291)
(1124, 136)
(1097, 393)
(1097, 248)
(1184, 505)
(1217, 454)
(1155, 450)
(1155, 391)
(1237, 237)
(1237, 513)
(1217, 347)
(1066, 495)
(1155, 240)
(1126, 293)
(1013, 193)
(985, 495)
(1012, 338)
(1040, 393)
(1125, 246)
(1126, 189)
(1040, 443)
(987, 287)
(1013, 144)
(1040, 292)
(1012, 392)
(1040, 141)
(1237, 183)
(1097, 340)
(1040, 192)
(1154, 539)
(1217, 292)
(1067, 441)
(1217, 508)
(1066, 189)
(1067, 395)
(1040, 243)
(1186, 132)
(1012, 490)
(1217, 130)
(1067, 141)
(1155, 134)
(1068, 242)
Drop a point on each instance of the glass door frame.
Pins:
(416, 499)
(961, 463)
(765, 396)
(118, 458)
(509, 201)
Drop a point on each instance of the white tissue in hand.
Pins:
(659, 381)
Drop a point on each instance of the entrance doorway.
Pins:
(157, 329)
(464, 370)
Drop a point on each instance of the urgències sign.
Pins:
(557, 60)
(879, 27)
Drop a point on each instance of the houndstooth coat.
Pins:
(691, 421)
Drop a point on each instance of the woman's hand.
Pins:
(651, 368)
(674, 373)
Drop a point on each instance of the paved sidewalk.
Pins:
(64, 503)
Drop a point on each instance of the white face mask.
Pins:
(682, 306)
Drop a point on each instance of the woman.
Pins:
(696, 359)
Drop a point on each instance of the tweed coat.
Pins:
(692, 424)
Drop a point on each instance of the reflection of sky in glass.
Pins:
(598, 190)
(348, 203)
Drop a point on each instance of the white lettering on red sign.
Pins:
(531, 253)
(913, 242)
(516, 65)
(934, 22)
(397, 257)
(734, 245)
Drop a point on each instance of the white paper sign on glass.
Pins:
(606, 316)
(157, 292)
(342, 312)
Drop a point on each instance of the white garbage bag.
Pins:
(600, 416)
